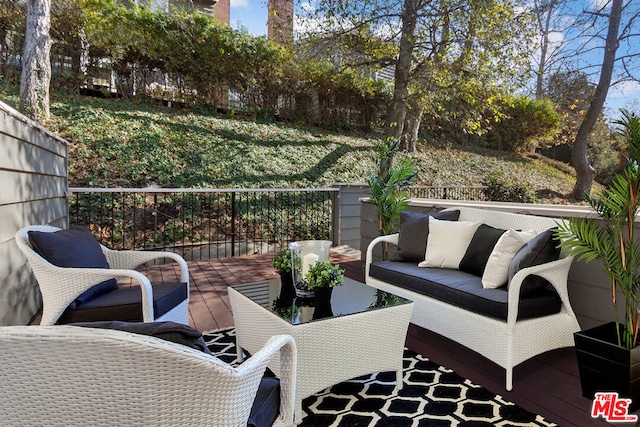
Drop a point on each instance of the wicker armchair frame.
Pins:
(60, 286)
(68, 375)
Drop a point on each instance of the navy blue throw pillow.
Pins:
(541, 249)
(479, 250)
(73, 248)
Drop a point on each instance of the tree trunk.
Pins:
(584, 172)
(412, 127)
(36, 63)
(544, 27)
(398, 112)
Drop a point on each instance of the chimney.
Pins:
(280, 22)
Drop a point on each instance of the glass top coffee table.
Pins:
(365, 334)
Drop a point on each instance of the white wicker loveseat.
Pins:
(69, 375)
(506, 341)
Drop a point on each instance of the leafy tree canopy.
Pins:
(456, 48)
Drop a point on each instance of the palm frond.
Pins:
(611, 238)
(389, 190)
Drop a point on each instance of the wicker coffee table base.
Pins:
(330, 350)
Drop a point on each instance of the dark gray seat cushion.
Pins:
(266, 405)
(125, 304)
(463, 290)
(168, 331)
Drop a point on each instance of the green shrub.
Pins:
(526, 123)
(189, 58)
(339, 98)
(501, 189)
(606, 153)
(13, 21)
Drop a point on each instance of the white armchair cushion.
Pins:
(496, 272)
(448, 242)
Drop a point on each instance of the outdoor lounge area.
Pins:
(443, 382)
(420, 214)
(453, 383)
(547, 384)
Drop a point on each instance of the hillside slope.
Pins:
(117, 143)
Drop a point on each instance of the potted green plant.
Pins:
(389, 188)
(282, 263)
(322, 277)
(603, 351)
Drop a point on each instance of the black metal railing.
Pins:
(214, 223)
(204, 223)
(448, 192)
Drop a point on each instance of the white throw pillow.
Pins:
(448, 242)
(496, 273)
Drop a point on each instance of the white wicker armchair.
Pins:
(68, 375)
(60, 286)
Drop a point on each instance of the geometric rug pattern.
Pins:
(432, 396)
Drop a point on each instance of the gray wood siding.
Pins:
(589, 288)
(348, 215)
(33, 172)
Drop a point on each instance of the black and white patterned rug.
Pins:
(432, 395)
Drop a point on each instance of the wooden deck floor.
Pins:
(547, 385)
